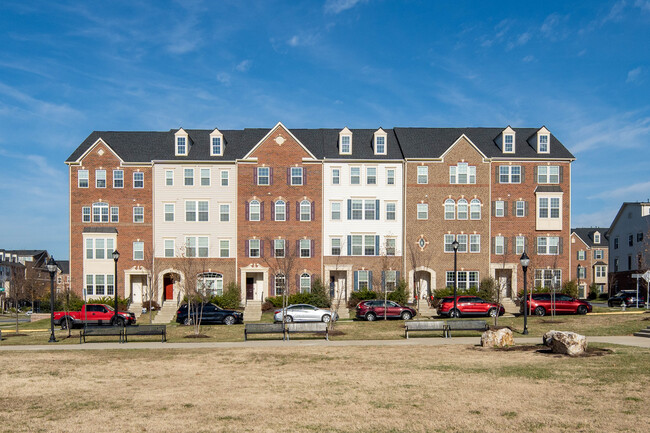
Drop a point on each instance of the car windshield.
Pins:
(109, 308)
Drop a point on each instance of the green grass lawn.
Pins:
(601, 325)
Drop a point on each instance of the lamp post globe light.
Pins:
(116, 257)
(454, 244)
(525, 261)
(51, 268)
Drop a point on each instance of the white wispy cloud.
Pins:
(599, 218)
(244, 65)
(519, 41)
(303, 39)
(616, 12)
(338, 6)
(554, 27)
(60, 113)
(634, 74)
(644, 5)
(635, 192)
(223, 78)
(626, 131)
(529, 58)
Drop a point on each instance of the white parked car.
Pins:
(305, 313)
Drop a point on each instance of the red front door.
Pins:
(169, 288)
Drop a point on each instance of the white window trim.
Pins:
(87, 178)
(226, 178)
(114, 179)
(426, 206)
(181, 134)
(268, 176)
(97, 171)
(173, 241)
(173, 212)
(171, 177)
(134, 250)
(380, 133)
(548, 143)
(345, 132)
(138, 207)
(504, 142)
(302, 176)
(134, 174)
(426, 174)
(222, 213)
(221, 248)
(201, 176)
(216, 134)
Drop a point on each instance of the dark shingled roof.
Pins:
(323, 143)
(587, 235)
(99, 230)
(548, 188)
(64, 265)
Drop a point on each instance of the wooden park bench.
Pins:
(308, 328)
(424, 325)
(264, 328)
(465, 325)
(146, 330)
(101, 331)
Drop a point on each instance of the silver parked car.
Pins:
(305, 313)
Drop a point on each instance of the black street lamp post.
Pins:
(525, 261)
(51, 268)
(454, 244)
(579, 269)
(116, 256)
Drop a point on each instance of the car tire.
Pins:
(540, 311)
(188, 321)
(326, 318)
(229, 320)
(610, 304)
(288, 319)
(118, 322)
(406, 315)
(66, 323)
(371, 317)
(492, 312)
(454, 313)
(582, 310)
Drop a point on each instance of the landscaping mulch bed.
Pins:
(543, 350)
(196, 336)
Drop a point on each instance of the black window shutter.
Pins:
(270, 175)
(349, 209)
(561, 174)
(523, 174)
(313, 208)
(246, 210)
(289, 176)
(272, 211)
(304, 175)
(261, 248)
(297, 211)
(286, 210)
(261, 211)
(254, 175)
(536, 173)
(505, 208)
(246, 247)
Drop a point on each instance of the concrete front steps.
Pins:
(643, 333)
(135, 309)
(253, 311)
(166, 313)
(510, 306)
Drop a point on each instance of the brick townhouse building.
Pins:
(590, 250)
(274, 209)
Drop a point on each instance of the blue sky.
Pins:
(68, 68)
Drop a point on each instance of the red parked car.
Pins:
(541, 304)
(371, 310)
(469, 306)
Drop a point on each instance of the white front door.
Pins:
(136, 288)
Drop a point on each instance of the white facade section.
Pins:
(629, 238)
(346, 185)
(180, 208)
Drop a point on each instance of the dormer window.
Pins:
(345, 142)
(543, 144)
(509, 143)
(596, 238)
(181, 142)
(216, 143)
(380, 139)
(543, 140)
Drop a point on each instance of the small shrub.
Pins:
(123, 304)
(570, 287)
(268, 306)
(603, 296)
(400, 294)
(231, 297)
(488, 289)
(361, 295)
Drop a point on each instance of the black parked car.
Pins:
(627, 296)
(211, 314)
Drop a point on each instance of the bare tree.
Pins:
(194, 286)
(34, 286)
(338, 297)
(281, 263)
(151, 269)
(419, 257)
(388, 263)
(17, 290)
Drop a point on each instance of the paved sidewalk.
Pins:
(622, 340)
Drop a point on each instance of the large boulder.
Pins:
(497, 338)
(567, 343)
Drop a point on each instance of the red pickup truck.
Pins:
(93, 314)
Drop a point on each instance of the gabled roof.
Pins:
(620, 211)
(64, 265)
(586, 234)
(145, 147)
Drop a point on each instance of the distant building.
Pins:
(629, 246)
(63, 276)
(590, 250)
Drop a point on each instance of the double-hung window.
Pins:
(305, 210)
(138, 179)
(371, 175)
(543, 143)
(520, 208)
(138, 250)
(474, 243)
(181, 146)
(450, 209)
(264, 176)
(85, 214)
(549, 207)
(196, 211)
(169, 248)
(520, 244)
(449, 240)
(278, 247)
(462, 243)
(100, 178)
(254, 210)
(357, 209)
(357, 245)
(391, 246)
(499, 208)
(205, 176)
(100, 212)
(598, 254)
(475, 209)
(336, 210)
(499, 245)
(224, 212)
(363, 278)
(508, 143)
(423, 211)
(582, 255)
(118, 178)
(336, 176)
(390, 176)
(188, 176)
(462, 173)
(82, 178)
(296, 175)
(345, 144)
(510, 174)
(548, 174)
(138, 214)
(169, 177)
(115, 214)
(224, 178)
(355, 175)
(216, 145)
(204, 210)
(369, 245)
(390, 211)
(462, 209)
(280, 210)
(380, 145)
(548, 245)
(305, 283)
(423, 174)
(336, 246)
(224, 248)
(369, 210)
(305, 248)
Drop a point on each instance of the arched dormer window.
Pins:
(462, 209)
(475, 209)
(280, 211)
(450, 209)
(100, 212)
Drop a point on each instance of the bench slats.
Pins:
(422, 325)
(146, 330)
(263, 328)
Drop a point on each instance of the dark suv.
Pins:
(625, 296)
(542, 304)
(469, 306)
(371, 310)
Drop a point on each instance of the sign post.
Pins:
(646, 277)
